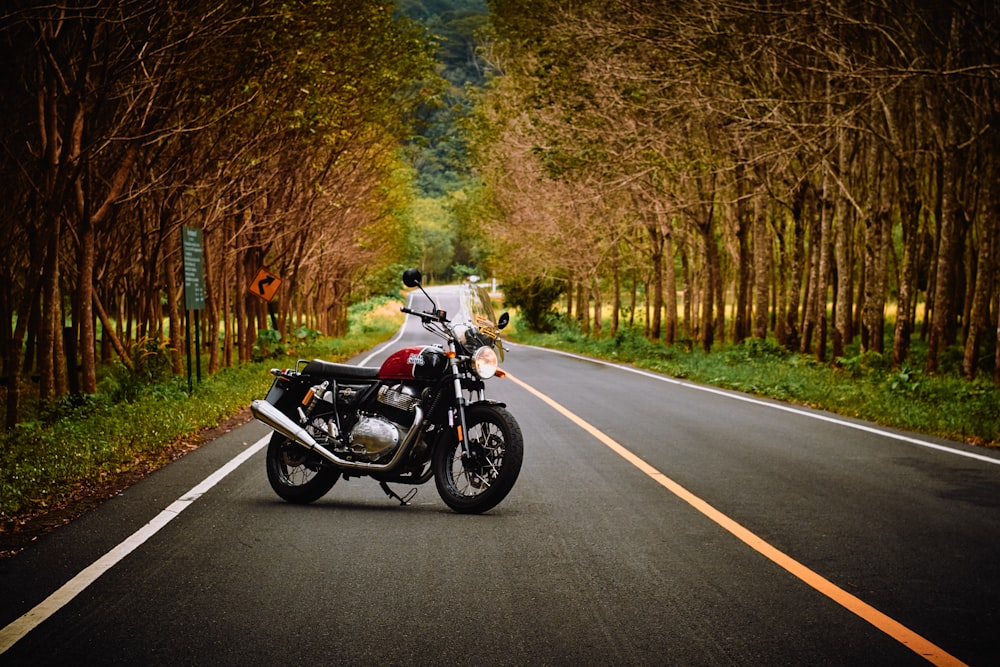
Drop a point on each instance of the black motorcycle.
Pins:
(422, 414)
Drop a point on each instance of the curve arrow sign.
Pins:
(265, 285)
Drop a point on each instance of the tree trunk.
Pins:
(822, 276)
(875, 244)
(12, 355)
(996, 356)
(212, 298)
(48, 329)
(811, 271)
(945, 262)
(87, 332)
(239, 302)
(909, 228)
(979, 319)
(616, 290)
(745, 266)
(762, 253)
(170, 273)
(656, 243)
(689, 290)
(793, 291)
(711, 252)
(569, 300)
(843, 216)
(948, 224)
(669, 287)
(598, 324)
(633, 298)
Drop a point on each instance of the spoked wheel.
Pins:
(478, 482)
(296, 474)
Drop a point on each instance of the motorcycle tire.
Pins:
(296, 474)
(478, 483)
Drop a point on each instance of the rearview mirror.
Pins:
(412, 277)
(503, 321)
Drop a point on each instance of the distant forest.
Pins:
(438, 152)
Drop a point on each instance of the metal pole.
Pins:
(187, 345)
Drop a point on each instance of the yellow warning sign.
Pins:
(265, 285)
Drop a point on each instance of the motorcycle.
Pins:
(423, 413)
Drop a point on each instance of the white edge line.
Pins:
(13, 633)
(778, 406)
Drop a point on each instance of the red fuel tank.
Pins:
(426, 362)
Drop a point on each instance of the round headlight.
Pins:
(484, 362)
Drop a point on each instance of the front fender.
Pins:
(487, 401)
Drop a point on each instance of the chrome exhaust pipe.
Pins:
(271, 416)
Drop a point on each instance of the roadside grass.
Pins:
(137, 418)
(865, 386)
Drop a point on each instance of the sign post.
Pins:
(192, 244)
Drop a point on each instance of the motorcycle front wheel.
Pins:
(296, 474)
(478, 482)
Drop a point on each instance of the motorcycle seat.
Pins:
(328, 369)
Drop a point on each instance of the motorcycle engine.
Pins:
(377, 436)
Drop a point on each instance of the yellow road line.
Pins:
(889, 626)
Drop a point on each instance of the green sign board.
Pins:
(194, 268)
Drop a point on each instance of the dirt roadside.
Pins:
(18, 533)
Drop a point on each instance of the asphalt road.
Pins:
(654, 523)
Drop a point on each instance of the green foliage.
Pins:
(754, 350)
(305, 335)
(866, 386)
(535, 298)
(461, 271)
(268, 345)
(436, 236)
(151, 367)
(439, 150)
(865, 363)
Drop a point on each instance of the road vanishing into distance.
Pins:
(655, 522)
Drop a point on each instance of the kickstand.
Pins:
(392, 494)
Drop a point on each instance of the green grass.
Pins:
(865, 386)
(138, 416)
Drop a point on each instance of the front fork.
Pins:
(460, 400)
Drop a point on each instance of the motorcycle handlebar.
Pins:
(438, 316)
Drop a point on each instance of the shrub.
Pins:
(268, 345)
(535, 299)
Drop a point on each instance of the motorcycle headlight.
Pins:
(484, 362)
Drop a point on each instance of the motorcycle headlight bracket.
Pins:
(484, 362)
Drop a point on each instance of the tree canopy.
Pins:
(273, 127)
(799, 169)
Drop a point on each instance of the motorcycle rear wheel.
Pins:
(296, 474)
(478, 483)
